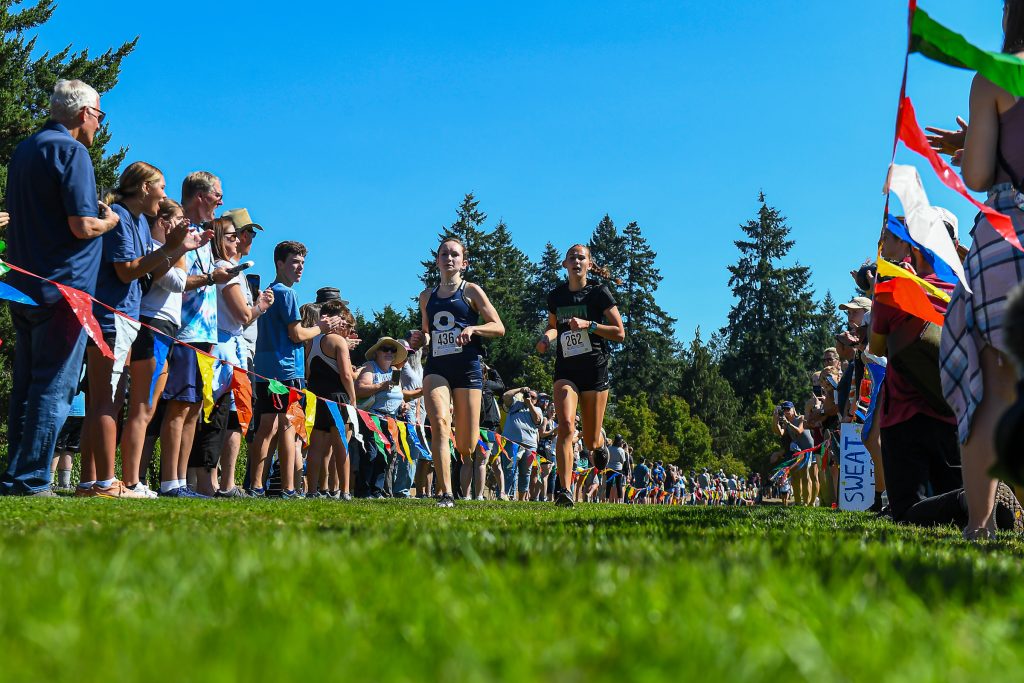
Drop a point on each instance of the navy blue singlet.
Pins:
(447, 317)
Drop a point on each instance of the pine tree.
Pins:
(771, 323)
(646, 360)
(547, 274)
(608, 248)
(467, 228)
(823, 330)
(27, 82)
(710, 395)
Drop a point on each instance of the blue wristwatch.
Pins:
(593, 326)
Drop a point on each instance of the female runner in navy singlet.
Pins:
(582, 318)
(450, 315)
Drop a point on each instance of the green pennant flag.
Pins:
(378, 439)
(935, 41)
(4, 268)
(277, 388)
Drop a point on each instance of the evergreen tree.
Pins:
(646, 361)
(826, 324)
(771, 323)
(608, 248)
(26, 83)
(547, 274)
(467, 228)
(710, 396)
(385, 323)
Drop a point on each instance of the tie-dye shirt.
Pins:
(199, 306)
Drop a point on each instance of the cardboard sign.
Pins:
(856, 470)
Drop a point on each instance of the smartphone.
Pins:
(244, 265)
(396, 377)
(819, 392)
(253, 280)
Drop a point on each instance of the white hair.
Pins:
(69, 97)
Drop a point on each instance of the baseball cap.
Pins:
(861, 303)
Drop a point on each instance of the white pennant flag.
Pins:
(125, 331)
(925, 222)
(351, 420)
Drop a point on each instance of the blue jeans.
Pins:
(48, 358)
(402, 476)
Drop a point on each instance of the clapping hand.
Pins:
(266, 299)
(948, 142)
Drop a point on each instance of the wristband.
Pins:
(209, 278)
(593, 326)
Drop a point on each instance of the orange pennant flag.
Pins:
(906, 296)
(241, 389)
(296, 416)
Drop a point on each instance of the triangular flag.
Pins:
(311, 407)
(393, 432)
(125, 332)
(908, 297)
(12, 294)
(886, 269)
(339, 421)
(925, 225)
(81, 305)
(276, 387)
(241, 389)
(296, 416)
(403, 434)
(352, 421)
(206, 372)
(161, 347)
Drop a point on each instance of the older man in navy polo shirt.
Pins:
(55, 220)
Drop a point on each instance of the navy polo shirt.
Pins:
(50, 177)
(129, 240)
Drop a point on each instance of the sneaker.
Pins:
(563, 499)
(143, 489)
(346, 496)
(116, 490)
(1008, 512)
(174, 493)
(334, 495)
(44, 493)
(187, 492)
(292, 495)
(257, 493)
(319, 495)
(446, 501)
(233, 492)
(85, 493)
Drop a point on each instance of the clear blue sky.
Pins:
(357, 128)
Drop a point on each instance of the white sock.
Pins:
(182, 483)
(86, 484)
(64, 479)
(166, 486)
(105, 483)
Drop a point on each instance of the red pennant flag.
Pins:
(296, 416)
(241, 389)
(913, 137)
(81, 304)
(372, 426)
(906, 296)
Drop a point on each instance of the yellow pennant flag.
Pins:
(310, 410)
(206, 372)
(403, 435)
(886, 269)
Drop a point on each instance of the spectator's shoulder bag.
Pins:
(914, 353)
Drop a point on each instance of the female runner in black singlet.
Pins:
(582, 319)
(450, 315)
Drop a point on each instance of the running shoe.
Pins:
(563, 499)
(116, 490)
(292, 495)
(233, 492)
(174, 493)
(143, 489)
(85, 492)
(257, 493)
(188, 492)
(346, 496)
(446, 501)
(1008, 512)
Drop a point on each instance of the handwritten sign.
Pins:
(856, 470)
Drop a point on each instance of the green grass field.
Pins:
(398, 590)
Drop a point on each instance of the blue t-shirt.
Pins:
(50, 177)
(199, 306)
(641, 476)
(130, 240)
(277, 356)
(659, 473)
